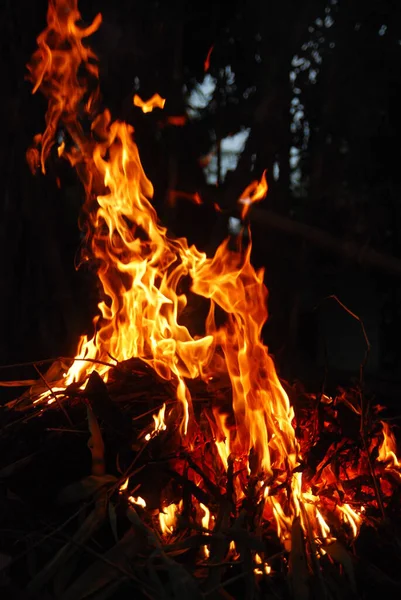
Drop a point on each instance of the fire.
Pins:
(137, 500)
(266, 567)
(255, 192)
(156, 101)
(388, 448)
(55, 71)
(223, 445)
(168, 518)
(141, 270)
(206, 521)
(351, 517)
(124, 486)
(160, 424)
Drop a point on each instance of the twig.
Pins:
(53, 395)
(261, 217)
(29, 364)
(50, 360)
(18, 383)
(354, 316)
(363, 429)
(95, 443)
(128, 472)
(112, 357)
(224, 563)
(61, 430)
(152, 410)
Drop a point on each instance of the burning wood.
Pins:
(233, 473)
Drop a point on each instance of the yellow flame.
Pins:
(147, 106)
(160, 424)
(124, 485)
(137, 500)
(266, 570)
(61, 148)
(168, 518)
(206, 520)
(351, 517)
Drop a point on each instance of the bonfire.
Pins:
(204, 478)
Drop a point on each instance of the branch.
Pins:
(361, 254)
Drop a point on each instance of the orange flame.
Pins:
(255, 192)
(141, 269)
(54, 69)
(388, 448)
(147, 106)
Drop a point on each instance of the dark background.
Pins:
(317, 83)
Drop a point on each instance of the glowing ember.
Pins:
(206, 65)
(155, 101)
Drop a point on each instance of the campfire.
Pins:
(223, 474)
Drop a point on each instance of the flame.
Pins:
(160, 424)
(54, 69)
(61, 148)
(266, 567)
(141, 270)
(351, 517)
(223, 445)
(147, 106)
(233, 550)
(123, 487)
(206, 521)
(255, 192)
(388, 448)
(137, 500)
(168, 518)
